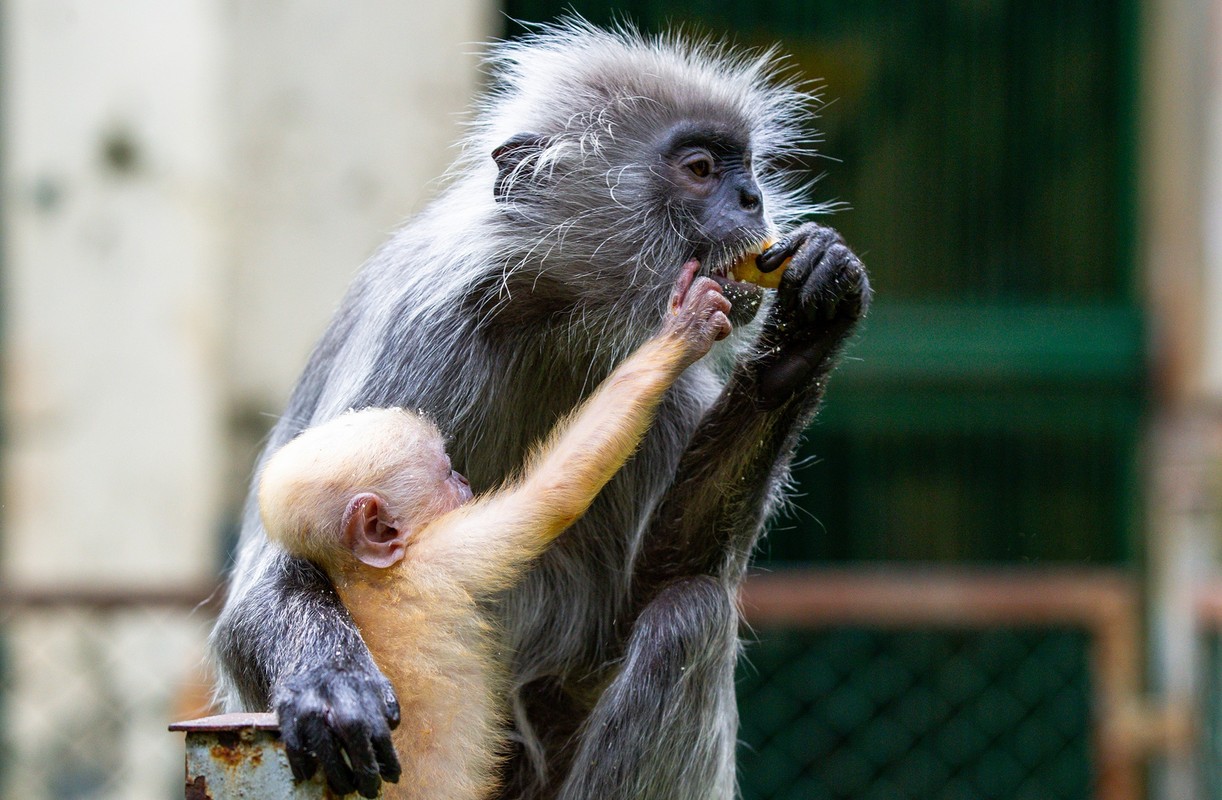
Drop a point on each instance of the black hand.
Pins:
(340, 719)
(823, 293)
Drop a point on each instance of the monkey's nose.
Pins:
(748, 199)
(461, 487)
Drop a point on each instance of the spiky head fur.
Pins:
(586, 217)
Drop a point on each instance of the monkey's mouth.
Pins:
(735, 264)
(745, 298)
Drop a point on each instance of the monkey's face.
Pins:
(453, 489)
(620, 158)
(709, 184)
(427, 484)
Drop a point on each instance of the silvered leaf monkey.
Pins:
(615, 159)
(371, 497)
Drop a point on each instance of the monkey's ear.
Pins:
(510, 155)
(371, 533)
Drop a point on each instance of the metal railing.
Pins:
(841, 609)
(91, 676)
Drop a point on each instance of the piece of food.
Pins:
(747, 272)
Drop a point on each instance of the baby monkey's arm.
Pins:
(496, 535)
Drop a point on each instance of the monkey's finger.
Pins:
(722, 325)
(830, 282)
(302, 760)
(714, 300)
(701, 288)
(772, 258)
(388, 759)
(704, 298)
(366, 773)
(684, 282)
(339, 775)
(392, 706)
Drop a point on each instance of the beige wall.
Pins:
(112, 312)
(344, 118)
(1209, 79)
(1181, 226)
(189, 186)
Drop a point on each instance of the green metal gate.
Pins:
(991, 409)
(863, 714)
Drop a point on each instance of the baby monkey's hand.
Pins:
(698, 313)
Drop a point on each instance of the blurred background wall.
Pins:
(187, 189)
(998, 579)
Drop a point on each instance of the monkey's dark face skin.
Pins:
(707, 175)
(628, 208)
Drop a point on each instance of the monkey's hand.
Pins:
(699, 313)
(823, 293)
(339, 718)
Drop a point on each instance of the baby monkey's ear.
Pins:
(370, 533)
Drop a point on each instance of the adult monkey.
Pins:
(615, 160)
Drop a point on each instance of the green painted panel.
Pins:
(913, 344)
(950, 488)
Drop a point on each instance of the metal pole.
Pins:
(241, 756)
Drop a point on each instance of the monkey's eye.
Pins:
(701, 166)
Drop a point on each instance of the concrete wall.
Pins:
(187, 188)
(344, 117)
(113, 317)
(1182, 215)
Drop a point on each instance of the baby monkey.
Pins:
(372, 499)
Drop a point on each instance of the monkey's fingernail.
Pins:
(771, 258)
(686, 275)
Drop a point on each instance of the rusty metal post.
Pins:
(234, 756)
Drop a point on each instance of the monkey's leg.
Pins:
(288, 643)
(665, 728)
(739, 456)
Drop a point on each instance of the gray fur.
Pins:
(496, 318)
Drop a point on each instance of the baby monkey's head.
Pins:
(358, 487)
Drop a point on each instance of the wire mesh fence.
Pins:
(854, 713)
(1209, 743)
(855, 686)
(940, 686)
(88, 685)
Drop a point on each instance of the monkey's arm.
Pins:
(709, 520)
(492, 539)
(288, 644)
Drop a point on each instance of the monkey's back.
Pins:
(430, 639)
